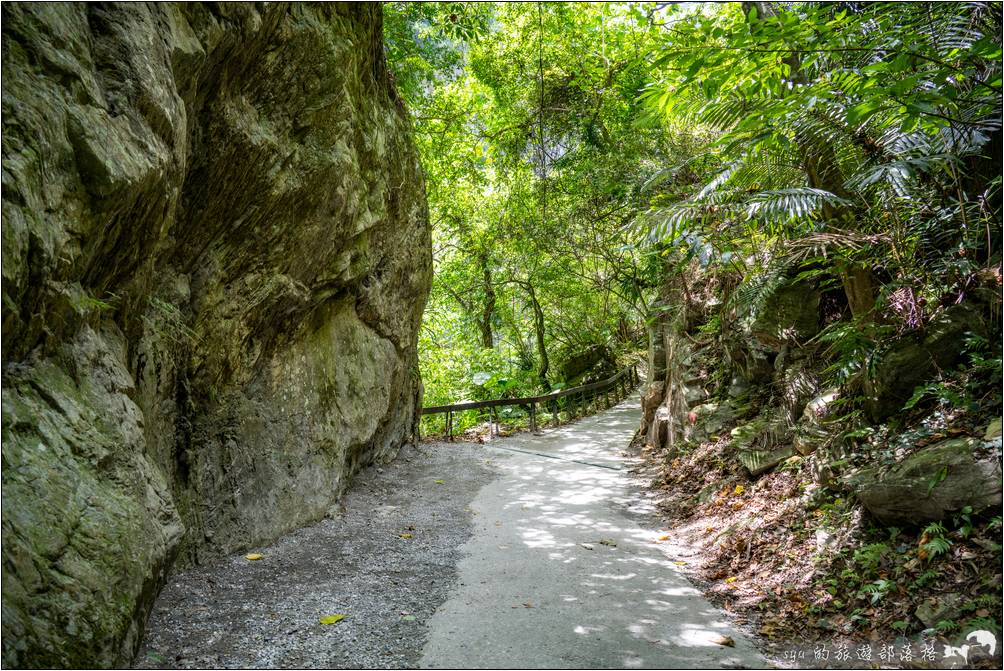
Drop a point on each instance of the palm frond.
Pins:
(793, 203)
(827, 243)
(666, 224)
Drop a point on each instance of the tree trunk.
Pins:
(488, 309)
(823, 172)
(859, 287)
(538, 324)
(656, 348)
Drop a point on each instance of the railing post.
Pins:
(449, 425)
(533, 417)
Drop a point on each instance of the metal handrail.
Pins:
(628, 374)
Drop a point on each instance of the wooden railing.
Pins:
(567, 400)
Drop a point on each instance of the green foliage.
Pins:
(578, 155)
(526, 119)
(852, 348)
(926, 578)
(964, 521)
(84, 303)
(936, 543)
(862, 139)
(878, 589)
(869, 557)
(939, 390)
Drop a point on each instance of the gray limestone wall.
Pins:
(216, 253)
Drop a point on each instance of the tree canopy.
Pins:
(578, 154)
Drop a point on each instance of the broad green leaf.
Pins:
(332, 619)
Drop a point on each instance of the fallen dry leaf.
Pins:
(253, 556)
(405, 535)
(664, 538)
(608, 542)
(723, 640)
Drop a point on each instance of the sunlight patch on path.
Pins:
(564, 569)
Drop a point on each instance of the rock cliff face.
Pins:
(215, 258)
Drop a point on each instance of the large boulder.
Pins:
(595, 359)
(932, 482)
(815, 425)
(709, 420)
(758, 462)
(797, 383)
(916, 358)
(761, 444)
(215, 258)
(788, 315)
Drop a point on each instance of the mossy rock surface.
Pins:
(761, 461)
(915, 360)
(216, 254)
(932, 483)
(789, 315)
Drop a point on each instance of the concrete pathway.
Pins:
(564, 571)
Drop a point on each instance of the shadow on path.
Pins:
(564, 569)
